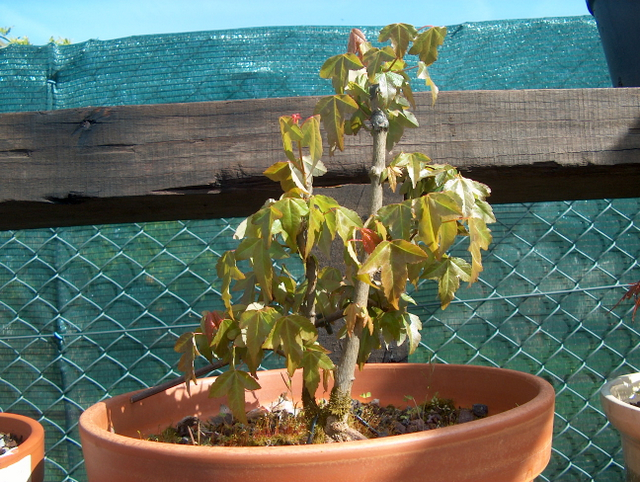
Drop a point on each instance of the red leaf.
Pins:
(370, 240)
(210, 322)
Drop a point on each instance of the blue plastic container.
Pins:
(619, 26)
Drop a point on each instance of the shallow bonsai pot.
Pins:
(615, 396)
(619, 27)
(26, 463)
(513, 444)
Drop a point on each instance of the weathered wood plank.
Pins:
(181, 161)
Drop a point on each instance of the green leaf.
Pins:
(290, 334)
(468, 191)
(233, 384)
(312, 138)
(346, 222)
(294, 212)
(400, 34)
(261, 257)
(388, 85)
(449, 272)
(256, 325)
(337, 69)
(290, 133)
(397, 218)
(282, 172)
(425, 46)
(479, 238)
(227, 271)
(335, 110)
(314, 360)
(432, 211)
(375, 58)
(391, 258)
(368, 342)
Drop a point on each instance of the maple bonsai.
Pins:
(396, 244)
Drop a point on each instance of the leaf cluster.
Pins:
(267, 308)
(355, 73)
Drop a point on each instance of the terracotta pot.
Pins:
(615, 396)
(26, 463)
(514, 444)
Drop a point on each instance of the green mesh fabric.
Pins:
(90, 312)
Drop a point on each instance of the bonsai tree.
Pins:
(396, 244)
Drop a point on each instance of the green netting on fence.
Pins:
(91, 312)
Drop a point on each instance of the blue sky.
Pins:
(81, 20)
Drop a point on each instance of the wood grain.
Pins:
(204, 160)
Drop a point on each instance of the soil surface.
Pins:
(8, 442)
(284, 424)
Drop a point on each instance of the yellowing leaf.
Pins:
(479, 238)
(337, 69)
(375, 58)
(423, 73)
(425, 46)
(334, 111)
(400, 35)
(391, 258)
(312, 138)
(397, 218)
(290, 133)
(449, 272)
(432, 211)
(227, 272)
(233, 384)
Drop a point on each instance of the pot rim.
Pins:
(545, 394)
(608, 390)
(30, 429)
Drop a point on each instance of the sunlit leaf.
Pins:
(391, 258)
(479, 239)
(227, 271)
(449, 272)
(294, 212)
(468, 191)
(233, 384)
(257, 324)
(375, 58)
(413, 325)
(311, 137)
(426, 44)
(398, 219)
(337, 69)
(388, 85)
(432, 210)
(290, 132)
(423, 73)
(400, 35)
(334, 111)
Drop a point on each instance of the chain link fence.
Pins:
(91, 312)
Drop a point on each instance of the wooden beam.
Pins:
(204, 160)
